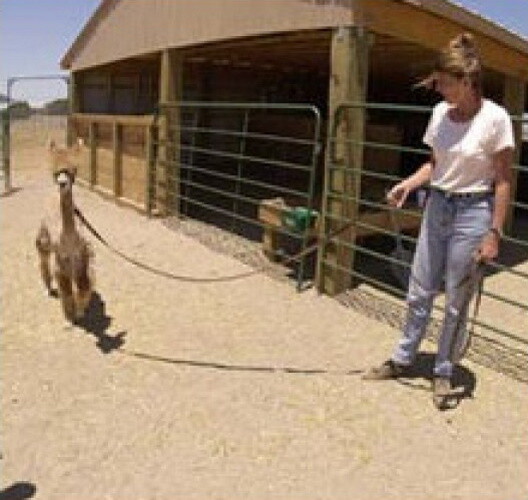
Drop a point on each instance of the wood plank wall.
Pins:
(115, 159)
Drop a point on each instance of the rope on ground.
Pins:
(193, 279)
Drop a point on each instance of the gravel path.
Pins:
(241, 390)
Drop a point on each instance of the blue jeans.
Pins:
(451, 231)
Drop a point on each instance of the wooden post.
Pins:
(110, 107)
(74, 102)
(149, 166)
(6, 149)
(514, 102)
(136, 91)
(117, 143)
(168, 173)
(92, 137)
(348, 83)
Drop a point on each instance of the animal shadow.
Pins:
(463, 381)
(96, 322)
(18, 491)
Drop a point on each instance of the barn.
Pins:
(273, 118)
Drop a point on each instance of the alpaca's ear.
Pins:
(51, 145)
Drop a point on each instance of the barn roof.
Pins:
(121, 29)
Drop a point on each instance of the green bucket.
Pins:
(299, 219)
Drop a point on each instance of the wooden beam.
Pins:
(175, 134)
(168, 172)
(75, 93)
(117, 141)
(74, 103)
(149, 167)
(514, 101)
(92, 139)
(126, 120)
(110, 94)
(412, 23)
(348, 83)
(254, 43)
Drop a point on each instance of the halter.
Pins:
(67, 172)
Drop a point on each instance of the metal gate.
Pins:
(246, 168)
(6, 121)
(380, 260)
(4, 149)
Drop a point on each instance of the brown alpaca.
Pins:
(73, 256)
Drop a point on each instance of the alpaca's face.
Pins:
(63, 163)
(65, 180)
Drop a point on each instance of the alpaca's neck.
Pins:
(67, 211)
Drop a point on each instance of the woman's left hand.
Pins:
(489, 248)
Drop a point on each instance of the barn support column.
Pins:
(117, 151)
(110, 94)
(92, 144)
(74, 104)
(348, 83)
(514, 101)
(168, 168)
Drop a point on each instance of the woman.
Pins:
(471, 141)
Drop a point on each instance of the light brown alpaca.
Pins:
(73, 256)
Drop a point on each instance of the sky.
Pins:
(35, 34)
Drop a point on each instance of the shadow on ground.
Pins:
(216, 365)
(96, 322)
(18, 491)
(464, 381)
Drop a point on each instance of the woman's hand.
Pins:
(398, 194)
(488, 249)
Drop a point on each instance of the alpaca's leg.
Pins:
(66, 295)
(84, 282)
(82, 297)
(82, 300)
(44, 247)
(45, 271)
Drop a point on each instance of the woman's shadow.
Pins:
(96, 322)
(463, 380)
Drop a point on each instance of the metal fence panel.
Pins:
(225, 162)
(383, 262)
(4, 150)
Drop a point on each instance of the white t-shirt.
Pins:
(464, 151)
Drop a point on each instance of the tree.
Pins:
(20, 109)
(57, 107)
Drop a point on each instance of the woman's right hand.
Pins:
(398, 194)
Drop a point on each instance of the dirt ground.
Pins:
(240, 390)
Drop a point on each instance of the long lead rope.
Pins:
(474, 284)
(193, 279)
(474, 279)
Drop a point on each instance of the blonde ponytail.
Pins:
(460, 58)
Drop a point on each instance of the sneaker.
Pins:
(388, 370)
(442, 392)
